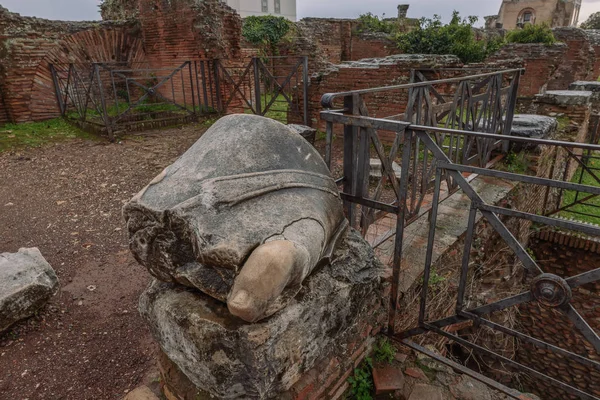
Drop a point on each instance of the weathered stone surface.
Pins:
(589, 86)
(27, 282)
(533, 126)
(426, 392)
(376, 169)
(306, 132)
(467, 388)
(141, 393)
(249, 200)
(229, 358)
(565, 97)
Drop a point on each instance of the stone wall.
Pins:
(565, 255)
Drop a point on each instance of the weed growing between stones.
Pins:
(384, 351)
(361, 383)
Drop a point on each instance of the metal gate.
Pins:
(433, 159)
(120, 97)
(274, 87)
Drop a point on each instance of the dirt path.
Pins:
(66, 199)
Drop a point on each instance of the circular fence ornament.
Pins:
(551, 290)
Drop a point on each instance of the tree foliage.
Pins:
(372, 23)
(265, 31)
(457, 37)
(593, 22)
(532, 34)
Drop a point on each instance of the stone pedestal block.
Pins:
(228, 358)
(27, 282)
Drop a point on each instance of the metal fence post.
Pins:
(257, 91)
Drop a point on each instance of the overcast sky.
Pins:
(88, 9)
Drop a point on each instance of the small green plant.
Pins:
(372, 23)
(532, 34)
(434, 278)
(361, 383)
(384, 351)
(516, 162)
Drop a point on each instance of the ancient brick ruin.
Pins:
(159, 34)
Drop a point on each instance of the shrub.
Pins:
(532, 34)
(457, 38)
(593, 22)
(265, 31)
(372, 23)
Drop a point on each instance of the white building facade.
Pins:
(246, 8)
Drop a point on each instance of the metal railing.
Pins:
(435, 157)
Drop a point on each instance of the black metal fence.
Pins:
(112, 98)
(439, 146)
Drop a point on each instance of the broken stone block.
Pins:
(308, 133)
(226, 357)
(27, 282)
(376, 169)
(532, 126)
(387, 378)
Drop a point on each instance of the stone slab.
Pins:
(27, 282)
(565, 97)
(387, 378)
(426, 392)
(229, 358)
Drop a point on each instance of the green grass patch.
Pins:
(569, 196)
(34, 134)
(278, 110)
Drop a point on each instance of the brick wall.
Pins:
(187, 30)
(165, 35)
(28, 45)
(565, 255)
(552, 67)
(594, 37)
(540, 63)
(392, 70)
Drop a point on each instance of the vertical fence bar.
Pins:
(510, 114)
(192, 87)
(305, 82)
(257, 91)
(107, 120)
(217, 85)
(328, 140)
(349, 160)
(57, 90)
(400, 224)
(430, 244)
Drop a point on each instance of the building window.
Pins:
(277, 6)
(265, 5)
(526, 16)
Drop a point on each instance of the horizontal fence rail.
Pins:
(395, 169)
